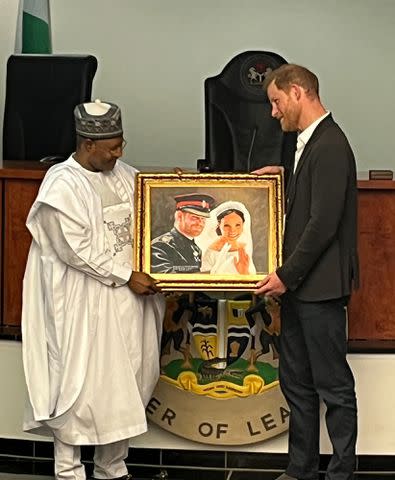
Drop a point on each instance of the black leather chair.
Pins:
(241, 134)
(41, 93)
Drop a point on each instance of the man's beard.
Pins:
(289, 120)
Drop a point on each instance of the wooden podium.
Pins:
(372, 309)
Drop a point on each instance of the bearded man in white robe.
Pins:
(90, 324)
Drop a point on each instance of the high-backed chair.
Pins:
(41, 93)
(241, 134)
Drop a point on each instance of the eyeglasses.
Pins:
(121, 147)
(114, 150)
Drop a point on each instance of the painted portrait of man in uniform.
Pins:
(176, 251)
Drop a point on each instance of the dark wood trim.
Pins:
(23, 169)
(376, 184)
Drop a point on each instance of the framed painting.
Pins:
(210, 231)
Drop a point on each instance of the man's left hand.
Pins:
(142, 284)
(270, 285)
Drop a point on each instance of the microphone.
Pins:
(250, 149)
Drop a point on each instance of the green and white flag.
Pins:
(33, 33)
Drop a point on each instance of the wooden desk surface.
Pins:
(23, 169)
(376, 184)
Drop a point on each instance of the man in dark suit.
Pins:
(176, 251)
(315, 280)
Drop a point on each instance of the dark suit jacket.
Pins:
(173, 252)
(320, 258)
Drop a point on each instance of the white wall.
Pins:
(154, 56)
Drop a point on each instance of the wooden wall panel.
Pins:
(19, 195)
(372, 307)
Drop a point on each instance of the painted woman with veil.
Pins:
(226, 241)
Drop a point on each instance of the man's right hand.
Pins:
(269, 169)
(142, 284)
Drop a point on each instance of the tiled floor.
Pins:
(25, 460)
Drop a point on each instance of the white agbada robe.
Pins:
(90, 345)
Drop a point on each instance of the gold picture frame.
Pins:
(240, 259)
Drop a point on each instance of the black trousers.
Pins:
(313, 366)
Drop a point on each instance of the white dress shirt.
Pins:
(304, 137)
